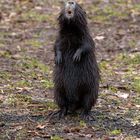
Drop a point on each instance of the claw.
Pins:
(58, 60)
(57, 114)
(77, 56)
(87, 117)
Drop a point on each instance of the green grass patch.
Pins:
(5, 75)
(100, 18)
(21, 134)
(117, 11)
(18, 99)
(137, 100)
(116, 132)
(5, 54)
(136, 7)
(103, 65)
(132, 43)
(136, 84)
(47, 83)
(32, 70)
(51, 105)
(33, 15)
(135, 59)
(33, 64)
(2, 44)
(113, 89)
(82, 123)
(56, 138)
(115, 102)
(127, 59)
(33, 42)
(112, 11)
(5, 34)
(23, 83)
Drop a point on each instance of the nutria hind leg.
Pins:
(61, 101)
(87, 116)
(58, 114)
(62, 112)
(73, 109)
(88, 102)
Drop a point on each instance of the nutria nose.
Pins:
(71, 2)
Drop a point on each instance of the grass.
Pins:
(129, 59)
(118, 11)
(34, 43)
(5, 54)
(33, 64)
(112, 11)
(18, 100)
(82, 123)
(132, 43)
(116, 132)
(36, 16)
(23, 83)
(113, 89)
(47, 83)
(56, 138)
(29, 73)
(103, 65)
(5, 75)
(135, 59)
(107, 12)
(136, 84)
(21, 134)
(34, 70)
(2, 44)
(51, 105)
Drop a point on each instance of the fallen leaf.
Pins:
(138, 106)
(12, 15)
(99, 37)
(122, 95)
(75, 129)
(40, 127)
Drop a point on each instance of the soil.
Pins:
(28, 30)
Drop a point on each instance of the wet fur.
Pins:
(76, 74)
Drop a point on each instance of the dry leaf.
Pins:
(122, 95)
(99, 37)
(40, 127)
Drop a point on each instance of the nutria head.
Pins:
(72, 14)
(70, 7)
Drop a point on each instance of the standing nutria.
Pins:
(76, 73)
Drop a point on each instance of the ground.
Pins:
(28, 30)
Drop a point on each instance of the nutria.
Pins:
(76, 73)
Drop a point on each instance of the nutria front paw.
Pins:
(77, 56)
(58, 59)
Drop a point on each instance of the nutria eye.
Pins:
(71, 2)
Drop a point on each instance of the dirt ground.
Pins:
(28, 30)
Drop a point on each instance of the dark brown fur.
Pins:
(76, 74)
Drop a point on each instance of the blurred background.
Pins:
(28, 29)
